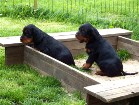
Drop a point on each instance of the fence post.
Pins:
(35, 4)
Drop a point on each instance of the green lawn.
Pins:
(22, 85)
(14, 27)
(67, 15)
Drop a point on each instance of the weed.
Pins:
(123, 54)
(81, 56)
(83, 70)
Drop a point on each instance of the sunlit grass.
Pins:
(22, 85)
(67, 15)
(14, 27)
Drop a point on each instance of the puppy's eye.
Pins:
(29, 36)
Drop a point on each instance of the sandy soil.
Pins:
(129, 66)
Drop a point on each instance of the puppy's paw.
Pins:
(87, 50)
(86, 66)
(100, 73)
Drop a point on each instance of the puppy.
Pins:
(46, 44)
(100, 51)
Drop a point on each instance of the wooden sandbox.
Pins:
(71, 78)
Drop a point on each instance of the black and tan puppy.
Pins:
(46, 44)
(100, 51)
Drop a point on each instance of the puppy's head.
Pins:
(81, 38)
(87, 33)
(27, 35)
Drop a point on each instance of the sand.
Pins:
(129, 66)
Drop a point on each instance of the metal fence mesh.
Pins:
(80, 11)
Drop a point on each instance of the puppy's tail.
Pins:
(124, 73)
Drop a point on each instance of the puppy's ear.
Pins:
(95, 31)
(27, 32)
(85, 30)
(90, 32)
(37, 34)
(95, 34)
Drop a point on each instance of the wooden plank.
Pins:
(112, 40)
(18, 59)
(53, 62)
(90, 100)
(14, 55)
(65, 36)
(114, 32)
(10, 41)
(124, 39)
(94, 101)
(128, 40)
(77, 48)
(74, 44)
(125, 46)
(116, 90)
(131, 46)
(14, 50)
(104, 32)
(64, 73)
(115, 84)
(124, 94)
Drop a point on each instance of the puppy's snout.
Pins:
(77, 33)
(21, 38)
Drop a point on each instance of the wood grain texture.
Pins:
(116, 90)
(14, 55)
(66, 74)
(130, 45)
(66, 36)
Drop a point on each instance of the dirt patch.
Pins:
(129, 66)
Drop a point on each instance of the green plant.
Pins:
(78, 94)
(5, 102)
(14, 27)
(123, 54)
(81, 69)
(22, 85)
(81, 56)
(101, 15)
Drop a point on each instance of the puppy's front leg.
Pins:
(86, 65)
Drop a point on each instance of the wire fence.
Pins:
(82, 10)
(116, 6)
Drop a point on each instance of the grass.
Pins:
(81, 56)
(101, 14)
(22, 85)
(14, 27)
(123, 54)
